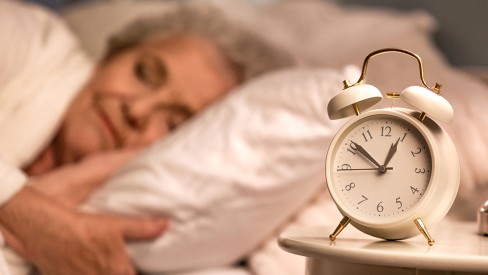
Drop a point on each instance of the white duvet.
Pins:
(42, 69)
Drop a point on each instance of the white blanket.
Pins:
(42, 68)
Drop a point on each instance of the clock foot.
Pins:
(342, 224)
(423, 229)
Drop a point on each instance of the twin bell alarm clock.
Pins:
(392, 172)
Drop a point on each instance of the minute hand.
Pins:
(363, 169)
(392, 151)
(365, 153)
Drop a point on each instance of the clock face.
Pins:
(380, 168)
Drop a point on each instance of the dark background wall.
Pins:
(463, 26)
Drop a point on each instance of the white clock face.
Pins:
(380, 168)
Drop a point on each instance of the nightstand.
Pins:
(458, 250)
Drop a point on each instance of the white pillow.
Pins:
(232, 176)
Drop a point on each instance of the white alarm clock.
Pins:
(392, 172)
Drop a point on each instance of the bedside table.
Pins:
(458, 250)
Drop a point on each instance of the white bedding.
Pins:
(43, 67)
(320, 34)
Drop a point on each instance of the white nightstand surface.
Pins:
(458, 248)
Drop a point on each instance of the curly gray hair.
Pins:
(250, 53)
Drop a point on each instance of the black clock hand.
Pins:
(392, 151)
(363, 169)
(366, 154)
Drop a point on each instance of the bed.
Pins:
(260, 169)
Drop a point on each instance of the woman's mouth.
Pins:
(109, 125)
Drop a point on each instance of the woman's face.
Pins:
(142, 94)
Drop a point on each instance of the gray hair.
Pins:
(249, 52)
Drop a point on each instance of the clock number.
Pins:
(414, 190)
(345, 167)
(404, 135)
(353, 147)
(350, 186)
(399, 202)
(379, 207)
(366, 136)
(416, 152)
(385, 131)
(364, 199)
(420, 170)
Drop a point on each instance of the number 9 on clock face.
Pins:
(379, 168)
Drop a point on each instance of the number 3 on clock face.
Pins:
(385, 168)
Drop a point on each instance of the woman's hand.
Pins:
(61, 241)
(72, 184)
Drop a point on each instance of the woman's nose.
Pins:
(138, 110)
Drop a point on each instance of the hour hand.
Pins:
(392, 151)
(365, 153)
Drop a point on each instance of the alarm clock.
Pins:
(392, 172)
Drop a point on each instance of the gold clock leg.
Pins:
(423, 229)
(342, 224)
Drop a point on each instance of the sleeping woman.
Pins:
(156, 75)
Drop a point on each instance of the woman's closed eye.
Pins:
(174, 116)
(150, 70)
